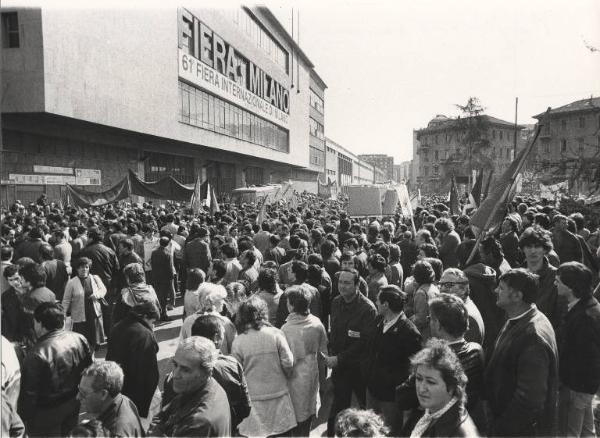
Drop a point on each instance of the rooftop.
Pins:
(442, 122)
(589, 104)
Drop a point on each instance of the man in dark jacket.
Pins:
(33, 282)
(51, 374)
(352, 328)
(228, 372)
(565, 243)
(100, 396)
(56, 271)
(449, 240)
(163, 271)
(30, 247)
(196, 253)
(579, 350)
(522, 373)
(106, 266)
(200, 407)
(388, 360)
(132, 345)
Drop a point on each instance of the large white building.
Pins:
(90, 93)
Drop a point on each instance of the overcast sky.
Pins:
(391, 66)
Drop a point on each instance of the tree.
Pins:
(472, 130)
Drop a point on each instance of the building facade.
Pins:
(346, 168)
(224, 94)
(455, 147)
(402, 172)
(568, 147)
(381, 161)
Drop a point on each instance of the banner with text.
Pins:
(209, 79)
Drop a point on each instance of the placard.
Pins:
(53, 169)
(364, 201)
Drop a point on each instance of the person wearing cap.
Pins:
(133, 346)
(387, 362)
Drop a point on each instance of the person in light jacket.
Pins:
(267, 359)
(82, 302)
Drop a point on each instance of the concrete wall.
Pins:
(23, 67)
(119, 68)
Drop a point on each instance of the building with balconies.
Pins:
(568, 147)
(457, 146)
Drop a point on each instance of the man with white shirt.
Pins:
(522, 373)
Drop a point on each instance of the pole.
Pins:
(516, 131)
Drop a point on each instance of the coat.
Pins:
(121, 418)
(204, 413)
(387, 362)
(449, 250)
(132, 345)
(456, 422)
(579, 347)
(307, 339)
(264, 354)
(196, 254)
(522, 378)
(74, 300)
(104, 262)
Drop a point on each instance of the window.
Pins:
(10, 30)
(494, 134)
(582, 122)
(436, 139)
(546, 145)
(316, 102)
(436, 155)
(563, 145)
(581, 146)
(261, 37)
(500, 135)
(436, 170)
(508, 153)
(425, 170)
(563, 125)
(206, 111)
(316, 156)
(316, 129)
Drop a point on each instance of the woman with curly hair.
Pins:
(440, 386)
(267, 359)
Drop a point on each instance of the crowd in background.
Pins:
(413, 326)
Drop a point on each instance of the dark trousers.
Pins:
(54, 421)
(303, 428)
(345, 381)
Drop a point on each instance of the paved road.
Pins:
(167, 335)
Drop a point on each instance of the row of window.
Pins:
(564, 145)
(316, 102)
(581, 124)
(459, 136)
(316, 156)
(209, 112)
(316, 129)
(506, 153)
(260, 36)
(10, 30)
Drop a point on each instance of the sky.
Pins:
(391, 66)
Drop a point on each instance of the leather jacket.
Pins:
(52, 370)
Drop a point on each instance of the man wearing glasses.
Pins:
(455, 282)
(100, 396)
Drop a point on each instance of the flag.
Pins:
(196, 202)
(262, 210)
(475, 195)
(487, 186)
(206, 201)
(214, 204)
(492, 210)
(404, 200)
(454, 207)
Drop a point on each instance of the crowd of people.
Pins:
(413, 327)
